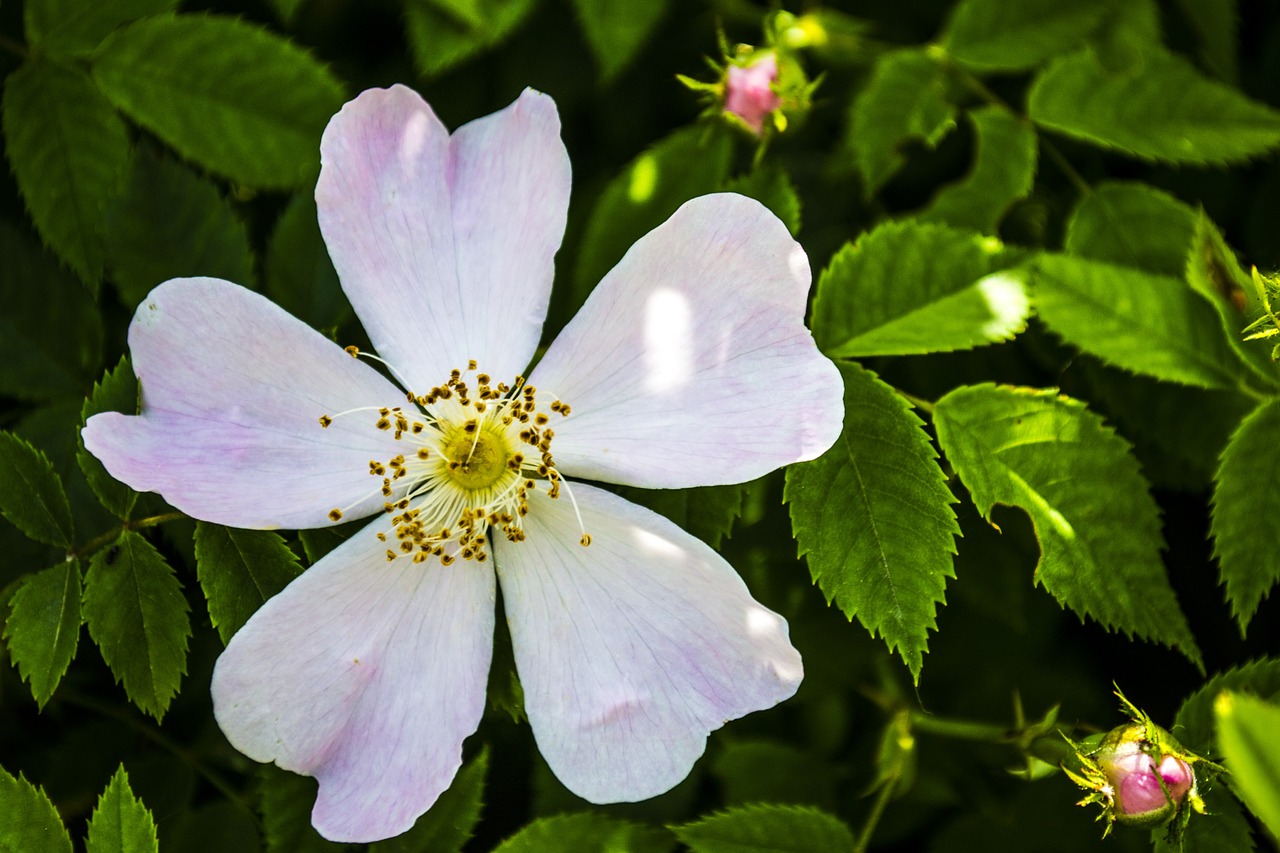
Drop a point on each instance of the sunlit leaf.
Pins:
(1194, 722)
(31, 824)
(1014, 35)
(766, 829)
(1133, 225)
(450, 822)
(121, 823)
(1247, 729)
(117, 392)
(43, 627)
(617, 29)
(586, 832)
(32, 497)
(239, 570)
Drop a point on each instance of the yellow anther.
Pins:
(335, 514)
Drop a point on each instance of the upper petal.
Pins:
(633, 649)
(233, 388)
(367, 675)
(445, 245)
(690, 363)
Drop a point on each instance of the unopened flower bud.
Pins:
(749, 91)
(1146, 793)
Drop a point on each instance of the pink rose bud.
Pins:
(1137, 782)
(749, 93)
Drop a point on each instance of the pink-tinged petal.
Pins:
(367, 675)
(445, 245)
(233, 389)
(633, 649)
(690, 363)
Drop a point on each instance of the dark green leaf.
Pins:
(770, 185)
(43, 628)
(1194, 723)
(451, 821)
(1098, 527)
(873, 516)
(439, 40)
(286, 802)
(770, 771)
(287, 10)
(766, 829)
(707, 512)
(239, 570)
(137, 615)
(1216, 23)
(31, 493)
(586, 832)
(117, 392)
(617, 29)
(68, 150)
(299, 276)
(1247, 729)
(121, 823)
(76, 27)
(1133, 225)
(31, 824)
(318, 541)
(1014, 35)
(231, 96)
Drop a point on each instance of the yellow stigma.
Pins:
(477, 456)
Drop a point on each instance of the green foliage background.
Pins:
(1031, 224)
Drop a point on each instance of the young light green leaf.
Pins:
(770, 185)
(439, 40)
(31, 823)
(1147, 323)
(905, 99)
(873, 516)
(285, 800)
(68, 149)
(1004, 170)
(586, 832)
(239, 570)
(617, 29)
(137, 615)
(121, 823)
(765, 828)
(1014, 35)
(1216, 23)
(1246, 512)
(1133, 225)
(1158, 109)
(298, 275)
(170, 222)
(907, 288)
(1194, 722)
(450, 823)
(229, 95)
(707, 512)
(75, 28)
(116, 392)
(1098, 527)
(1247, 729)
(43, 627)
(31, 493)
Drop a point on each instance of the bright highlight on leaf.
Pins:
(1247, 736)
(31, 824)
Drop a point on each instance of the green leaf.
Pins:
(286, 800)
(298, 275)
(873, 516)
(224, 93)
(586, 832)
(1158, 109)
(121, 823)
(1247, 729)
(1004, 170)
(447, 826)
(1133, 225)
(766, 829)
(1216, 22)
(117, 392)
(905, 99)
(68, 150)
(707, 512)
(76, 28)
(756, 771)
(239, 570)
(1147, 323)
(439, 40)
(770, 185)
(690, 162)
(137, 615)
(617, 29)
(31, 824)
(1246, 512)
(907, 288)
(319, 541)
(31, 493)
(1098, 527)
(171, 223)
(1014, 35)
(1194, 723)
(43, 627)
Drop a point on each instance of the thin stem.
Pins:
(960, 729)
(877, 811)
(112, 535)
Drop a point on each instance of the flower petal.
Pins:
(633, 649)
(445, 246)
(690, 364)
(367, 675)
(233, 389)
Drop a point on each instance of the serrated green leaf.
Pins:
(117, 392)
(286, 800)
(231, 96)
(1247, 729)
(1194, 723)
(75, 27)
(1147, 323)
(1133, 225)
(690, 162)
(907, 288)
(766, 829)
(1246, 512)
(586, 832)
(439, 40)
(707, 512)
(31, 824)
(1097, 524)
(121, 823)
(239, 570)
(31, 493)
(68, 150)
(170, 223)
(770, 185)
(137, 615)
(1227, 829)
(298, 275)
(1158, 109)
(1014, 35)
(873, 516)
(1004, 170)
(43, 627)
(617, 29)
(905, 99)
(447, 826)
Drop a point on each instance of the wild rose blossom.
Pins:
(688, 365)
